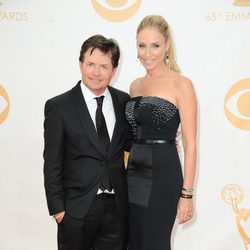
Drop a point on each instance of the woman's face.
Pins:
(151, 48)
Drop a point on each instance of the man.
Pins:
(84, 132)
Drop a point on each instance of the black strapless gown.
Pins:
(154, 172)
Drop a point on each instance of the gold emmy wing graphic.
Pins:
(5, 110)
(242, 89)
(233, 194)
(242, 2)
(118, 11)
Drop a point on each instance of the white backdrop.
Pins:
(39, 48)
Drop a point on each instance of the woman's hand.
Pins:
(185, 210)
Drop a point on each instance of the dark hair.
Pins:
(103, 44)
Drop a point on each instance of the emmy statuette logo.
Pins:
(238, 113)
(233, 194)
(116, 10)
(4, 104)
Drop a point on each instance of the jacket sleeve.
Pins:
(53, 158)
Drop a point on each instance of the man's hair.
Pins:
(104, 45)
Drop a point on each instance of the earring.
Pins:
(166, 59)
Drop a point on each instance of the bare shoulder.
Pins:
(134, 86)
(184, 85)
(185, 93)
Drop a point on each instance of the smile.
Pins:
(148, 61)
(95, 80)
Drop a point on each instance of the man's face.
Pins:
(97, 70)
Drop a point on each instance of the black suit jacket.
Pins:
(74, 161)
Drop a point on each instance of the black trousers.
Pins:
(101, 229)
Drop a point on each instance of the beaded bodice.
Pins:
(152, 117)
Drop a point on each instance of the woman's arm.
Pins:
(188, 115)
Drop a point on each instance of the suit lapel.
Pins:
(85, 117)
(118, 124)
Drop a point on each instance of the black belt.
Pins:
(154, 141)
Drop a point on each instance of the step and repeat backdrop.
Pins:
(39, 48)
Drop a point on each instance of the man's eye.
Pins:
(105, 67)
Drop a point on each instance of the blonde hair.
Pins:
(158, 22)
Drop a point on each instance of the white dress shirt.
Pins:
(107, 109)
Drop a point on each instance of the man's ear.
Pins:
(114, 71)
(80, 65)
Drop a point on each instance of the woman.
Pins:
(160, 101)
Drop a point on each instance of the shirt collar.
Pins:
(88, 95)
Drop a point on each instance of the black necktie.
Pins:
(104, 139)
(101, 124)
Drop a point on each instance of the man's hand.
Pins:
(59, 217)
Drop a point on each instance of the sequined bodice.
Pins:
(152, 117)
